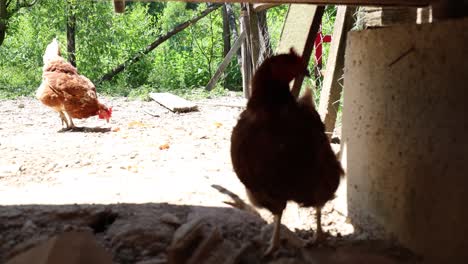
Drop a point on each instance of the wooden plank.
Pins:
(299, 31)
(387, 16)
(324, 2)
(226, 61)
(173, 102)
(332, 87)
(261, 7)
(71, 247)
(317, 15)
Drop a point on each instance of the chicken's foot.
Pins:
(65, 117)
(320, 236)
(71, 126)
(275, 238)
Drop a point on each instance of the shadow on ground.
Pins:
(160, 232)
(86, 130)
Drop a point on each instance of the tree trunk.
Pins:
(108, 76)
(226, 38)
(246, 68)
(233, 28)
(71, 32)
(226, 32)
(265, 44)
(3, 20)
(253, 36)
(234, 32)
(4, 15)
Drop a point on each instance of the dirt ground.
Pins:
(146, 157)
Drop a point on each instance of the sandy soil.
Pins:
(136, 158)
(172, 158)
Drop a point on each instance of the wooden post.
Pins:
(245, 52)
(332, 85)
(226, 61)
(261, 7)
(316, 18)
(325, 2)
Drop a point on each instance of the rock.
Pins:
(197, 242)
(170, 219)
(28, 226)
(185, 235)
(159, 260)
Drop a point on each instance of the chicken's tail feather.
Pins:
(52, 51)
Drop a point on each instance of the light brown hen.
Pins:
(66, 91)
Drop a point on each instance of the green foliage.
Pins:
(275, 20)
(104, 39)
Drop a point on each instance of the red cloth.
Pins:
(318, 46)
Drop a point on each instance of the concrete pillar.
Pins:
(405, 135)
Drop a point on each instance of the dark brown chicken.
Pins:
(279, 149)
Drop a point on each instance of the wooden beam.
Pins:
(371, 17)
(261, 7)
(235, 47)
(446, 9)
(317, 15)
(299, 31)
(332, 86)
(324, 2)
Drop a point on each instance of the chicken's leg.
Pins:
(67, 120)
(275, 238)
(63, 118)
(319, 236)
(318, 217)
(70, 125)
